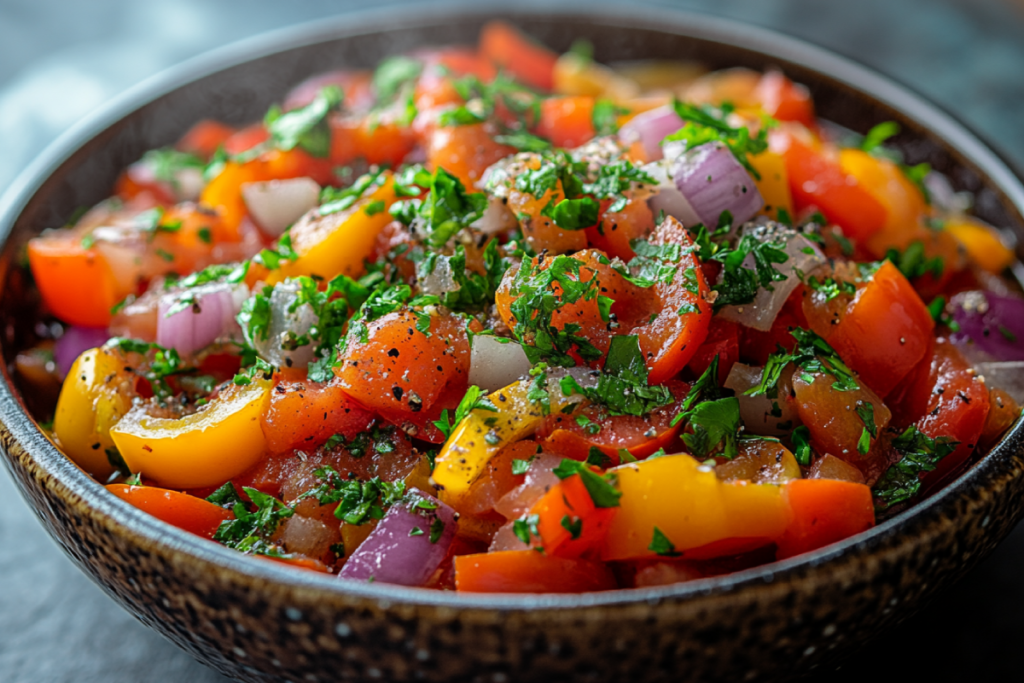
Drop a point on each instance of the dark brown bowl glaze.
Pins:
(256, 620)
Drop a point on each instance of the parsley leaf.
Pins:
(801, 438)
(660, 545)
(913, 264)
(600, 487)
(250, 531)
(811, 355)
(705, 123)
(305, 127)
(475, 399)
(605, 117)
(393, 74)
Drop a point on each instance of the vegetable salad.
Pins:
(491, 318)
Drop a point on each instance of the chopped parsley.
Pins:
(605, 117)
(359, 502)
(622, 387)
(475, 399)
(920, 453)
(525, 527)
(572, 524)
(161, 364)
(250, 531)
(714, 416)
(913, 264)
(801, 438)
(305, 127)
(811, 355)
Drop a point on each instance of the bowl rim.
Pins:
(139, 528)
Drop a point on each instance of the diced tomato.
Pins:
(178, 509)
(497, 480)
(304, 414)
(957, 405)
(835, 425)
(616, 230)
(135, 181)
(785, 100)
(569, 523)
(528, 571)
(817, 180)
(723, 341)
(401, 370)
(824, 511)
(76, 282)
(885, 332)
(377, 139)
(205, 137)
(465, 151)
(511, 51)
(567, 121)
(246, 138)
(540, 231)
(574, 435)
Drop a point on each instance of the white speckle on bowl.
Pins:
(829, 631)
(985, 521)
(293, 614)
(343, 629)
(422, 655)
(809, 651)
(239, 651)
(373, 672)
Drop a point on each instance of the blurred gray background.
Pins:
(61, 59)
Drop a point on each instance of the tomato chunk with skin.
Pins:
(60, 266)
(465, 151)
(528, 571)
(186, 512)
(824, 511)
(574, 435)
(816, 180)
(616, 230)
(886, 330)
(304, 414)
(722, 342)
(399, 368)
(511, 51)
(567, 121)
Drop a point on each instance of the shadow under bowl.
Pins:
(256, 620)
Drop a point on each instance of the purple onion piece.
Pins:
(73, 342)
(650, 128)
(400, 549)
(713, 181)
(188, 327)
(667, 196)
(991, 326)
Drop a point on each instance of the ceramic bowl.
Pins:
(258, 621)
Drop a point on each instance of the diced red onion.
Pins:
(494, 363)
(991, 326)
(276, 204)
(943, 196)
(74, 342)
(757, 411)
(650, 128)
(713, 181)
(539, 480)
(285, 327)
(667, 196)
(1008, 376)
(210, 315)
(804, 256)
(396, 553)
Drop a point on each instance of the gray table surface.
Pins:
(60, 60)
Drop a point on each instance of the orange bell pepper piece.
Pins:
(186, 512)
(61, 266)
(528, 571)
(824, 511)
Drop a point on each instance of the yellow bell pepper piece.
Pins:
(983, 243)
(575, 75)
(206, 448)
(95, 395)
(483, 433)
(339, 243)
(774, 183)
(692, 508)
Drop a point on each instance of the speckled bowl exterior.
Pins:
(259, 621)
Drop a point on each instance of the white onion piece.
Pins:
(497, 218)
(713, 181)
(276, 204)
(210, 315)
(286, 326)
(185, 185)
(943, 196)
(1006, 375)
(506, 539)
(438, 281)
(756, 411)
(667, 196)
(395, 553)
(650, 128)
(494, 363)
(539, 480)
(188, 184)
(804, 256)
